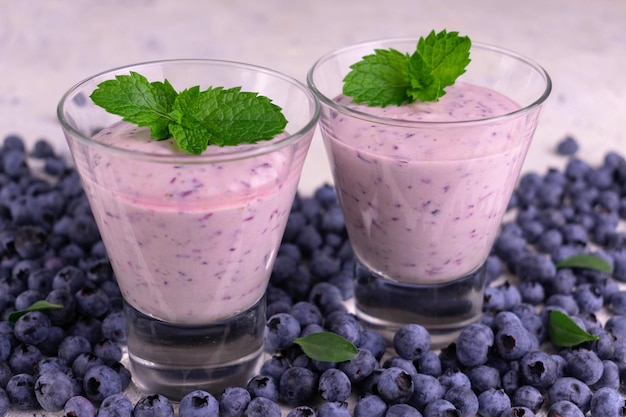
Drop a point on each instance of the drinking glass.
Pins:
(423, 190)
(191, 238)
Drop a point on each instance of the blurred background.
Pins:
(46, 46)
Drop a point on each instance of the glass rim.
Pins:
(255, 149)
(329, 101)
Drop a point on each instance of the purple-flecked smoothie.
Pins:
(191, 242)
(423, 201)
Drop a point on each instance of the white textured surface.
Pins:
(48, 45)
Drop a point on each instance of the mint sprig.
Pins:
(327, 347)
(41, 305)
(195, 119)
(564, 332)
(389, 77)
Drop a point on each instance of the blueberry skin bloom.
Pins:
(32, 328)
(571, 389)
(411, 341)
(370, 406)
(116, 405)
(566, 408)
(473, 344)
(262, 407)
(538, 369)
(297, 385)
(441, 408)
(402, 410)
(233, 402)
(100, 382)
(585, 365)
(333, 409)
(282, 329)
(79, 406)
(154, 405)
(334, 385)
(493, 402)
(607, 402)
(53, 389)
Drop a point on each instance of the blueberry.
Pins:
(373, 341)
(610, 376)
(116, 405)
(513, 342)
(263, 386)
(301, 411)
(79, 406)
(324, 265)
(50, 364)
(484, 377)
(107, 350)
(282, 329)
(464, 400)
(395, 385)
(92, 302)
(285, 267)
(30, 242)
(53, 390)
(69, 278)
(588, 298)
(21, 392)
(308, 238)
(570, 389)
(359, 367)
(398, 362)
(5, 347)
(326, 195)
(441, 408)
(529, 397)
(72, 346)
(584, 365)
(334, 385)
(517, 411)
(24, 358)
(493, 402)
(565, 408)
(402, 410)
(473, 344)
(370, 406)
(567, 146)
(607, 402)
(274, 366)
(426, 389)
(453, 377)
(123, 373)
(344, 324)
(32, 328)
(154, 405)
(411, 341)
(262, 407)
(333, 409)
(100, 382)
(114, 327)
(538, 369)
(306, 313)
(429, 363)
(297, 385)
(233, 402)
(83, 362)
(325, 296)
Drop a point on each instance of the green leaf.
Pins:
(564, 331)
(194, 118)
(223, 117)
(138, 101)
(379, 79)
(587, 261)
(389, 77)
(327, 347)
(40, 305)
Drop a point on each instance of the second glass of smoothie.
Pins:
(191, 238)
(424, 186)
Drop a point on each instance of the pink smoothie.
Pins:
(423, 203)
(190, 242)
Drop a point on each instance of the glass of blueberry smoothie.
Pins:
(424, 185)
(192, 237)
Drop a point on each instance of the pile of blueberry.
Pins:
(67, 360)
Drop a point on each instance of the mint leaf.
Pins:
(327, 347)
(380, 79)
(194, 118)
(40, 305)
(138, 101)
(564, 332)
(223, 117)
(587, 261)
(389, 77)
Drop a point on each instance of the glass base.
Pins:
(173, 359)
(443, 309)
